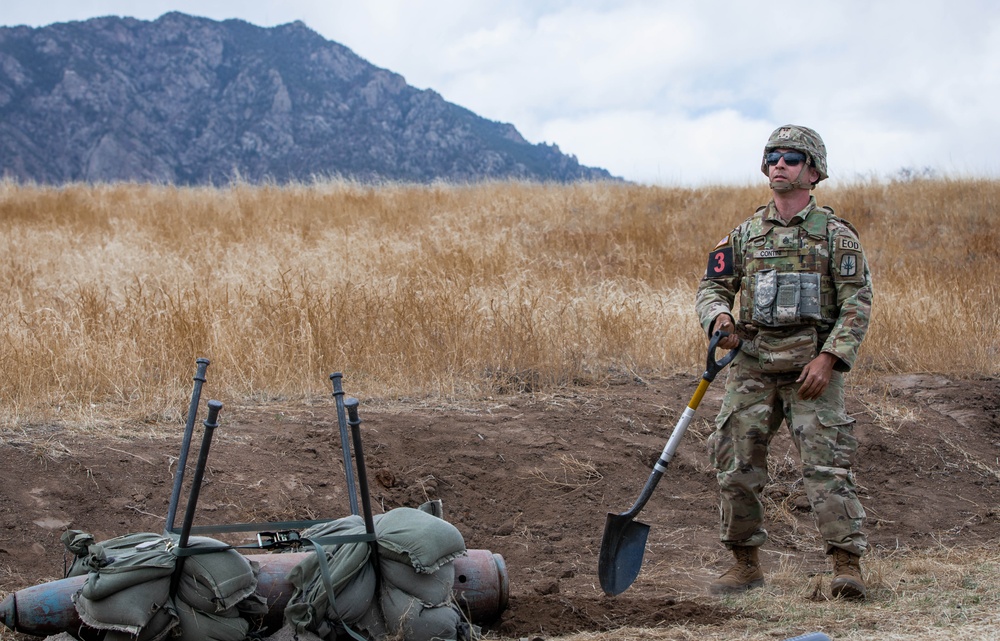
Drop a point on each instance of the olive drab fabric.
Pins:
(804, 287)
(412, 599)
(815, 242)
(752, 412)
(127, 591)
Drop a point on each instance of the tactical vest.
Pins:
(791, 262)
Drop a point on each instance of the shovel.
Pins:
(624, 539)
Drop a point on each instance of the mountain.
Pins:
(188, 100)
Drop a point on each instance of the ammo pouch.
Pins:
(785, 298)
(783, 352)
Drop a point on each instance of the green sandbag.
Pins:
(354, 599)
(78, 543)
(309, 608)
(343, 559)
(430, 589)
(407, 617)
(164, 622)
(127, 572)
(127, 588)
(413, 536)
(128, 610)
(216, 581)
(117, 563)
(351, 603)
(372, 623)
(196, 625)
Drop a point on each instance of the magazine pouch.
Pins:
(785, 298)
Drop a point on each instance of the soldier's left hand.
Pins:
(815, 376)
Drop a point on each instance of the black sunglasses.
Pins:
(792, 158)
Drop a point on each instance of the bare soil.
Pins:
(529, 477)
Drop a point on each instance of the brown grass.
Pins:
(110, 292)
(440, 293)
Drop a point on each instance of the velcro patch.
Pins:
(720, 262)
(849, 244)
(724, 241)
(848, 265)
(769, 253)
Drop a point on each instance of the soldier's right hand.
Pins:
(724, 323)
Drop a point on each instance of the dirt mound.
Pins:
(528, 477)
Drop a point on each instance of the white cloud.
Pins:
(667, 149)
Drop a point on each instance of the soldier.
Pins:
(805, 300)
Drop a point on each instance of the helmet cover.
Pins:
(798, 138)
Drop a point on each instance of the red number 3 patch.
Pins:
(720, 263)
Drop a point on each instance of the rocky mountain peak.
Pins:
(189, 100)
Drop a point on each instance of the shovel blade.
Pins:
(622, 548)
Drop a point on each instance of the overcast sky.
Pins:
(673, 92)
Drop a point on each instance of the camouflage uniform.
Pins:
(804, 288)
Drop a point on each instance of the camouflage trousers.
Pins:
(754, 407)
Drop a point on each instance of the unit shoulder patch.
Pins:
(720, 262)
(849, 264)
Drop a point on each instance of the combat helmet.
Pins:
(801, 139)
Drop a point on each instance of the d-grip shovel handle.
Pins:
(713, 367)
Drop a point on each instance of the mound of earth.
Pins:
(528, 477)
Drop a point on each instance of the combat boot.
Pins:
(744, 575)
(847, 582)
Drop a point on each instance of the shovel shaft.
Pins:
(624, 540)
(669, 449)
(681, 427)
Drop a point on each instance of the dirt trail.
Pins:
(530, 478)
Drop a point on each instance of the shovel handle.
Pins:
(713, 366)
(622, 545)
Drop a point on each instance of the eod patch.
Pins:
(849, 250)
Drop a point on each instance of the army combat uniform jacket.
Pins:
(804, 287)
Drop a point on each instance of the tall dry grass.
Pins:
(109, 293)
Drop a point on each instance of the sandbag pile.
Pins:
(127, 592)
(410, 598)
(339, 590)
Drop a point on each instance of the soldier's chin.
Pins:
(781, 185)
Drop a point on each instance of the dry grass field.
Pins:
(111, 292)
(466, 310)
